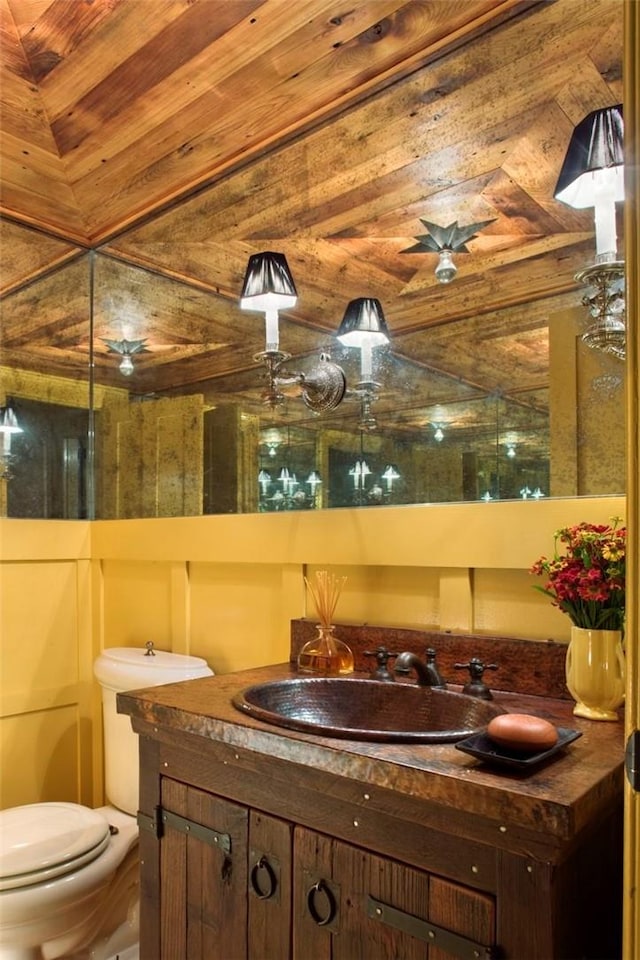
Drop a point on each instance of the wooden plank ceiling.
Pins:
(177, 137)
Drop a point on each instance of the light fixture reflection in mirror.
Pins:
(390, 474)
(284, 487)
(364, 327)
(9, 427)
(126, 349)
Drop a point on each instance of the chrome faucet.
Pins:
(427, 672)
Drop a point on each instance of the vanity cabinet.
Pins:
(238, 884)
(268, 845)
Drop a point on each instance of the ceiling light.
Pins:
(272, 439)
(445, 241)
(268, 288)
(592, 175)
(126, 349)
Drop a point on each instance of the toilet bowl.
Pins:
(69, 883)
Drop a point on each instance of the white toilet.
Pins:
(69, 874)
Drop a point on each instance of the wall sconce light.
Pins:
(264, 479)
(360, 471)
(286, 496)
(592, 175)
(511, 450)
(8, 420)
(126, 349)
(390, 474)
(268, 287)
(314, 480)
(364, 327)
(438, 434)
(9, 427)
(445, 241)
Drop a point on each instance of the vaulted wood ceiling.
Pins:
(177, 137)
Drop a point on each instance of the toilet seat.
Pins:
(41, 841)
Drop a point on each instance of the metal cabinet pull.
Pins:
(262, 866)
(320, 887)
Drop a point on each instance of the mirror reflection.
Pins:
(140, 383)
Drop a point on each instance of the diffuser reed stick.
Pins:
(326, 594)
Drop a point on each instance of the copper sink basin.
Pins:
(366, 709)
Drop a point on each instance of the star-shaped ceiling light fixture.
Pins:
(126, 349)
(445, 241)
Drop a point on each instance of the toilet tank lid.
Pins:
(126, 668)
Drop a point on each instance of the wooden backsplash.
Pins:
(524, 666)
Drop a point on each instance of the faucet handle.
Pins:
(476, 687)
(382, 655)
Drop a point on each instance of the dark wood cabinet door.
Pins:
(203, 881)
(337, 890)
(269, 902)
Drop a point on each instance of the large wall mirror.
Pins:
(129, 365)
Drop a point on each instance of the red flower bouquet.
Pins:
(587, 581)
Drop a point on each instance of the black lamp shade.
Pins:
(363, 322)
(268, 284)
(9, 421)
(595, 152)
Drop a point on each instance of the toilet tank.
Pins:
(131, 668)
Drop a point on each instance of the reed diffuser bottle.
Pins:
(326, 655)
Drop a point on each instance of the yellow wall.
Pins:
(46, 685)
(226, 588)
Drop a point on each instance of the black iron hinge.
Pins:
(157, 822)
(447, 940)
(150, 822)
(632, 759)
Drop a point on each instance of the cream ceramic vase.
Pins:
(595, 672)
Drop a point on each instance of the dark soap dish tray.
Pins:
(483, 747)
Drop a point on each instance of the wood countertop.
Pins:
(543, 808)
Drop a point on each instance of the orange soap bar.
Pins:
(520, 731)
